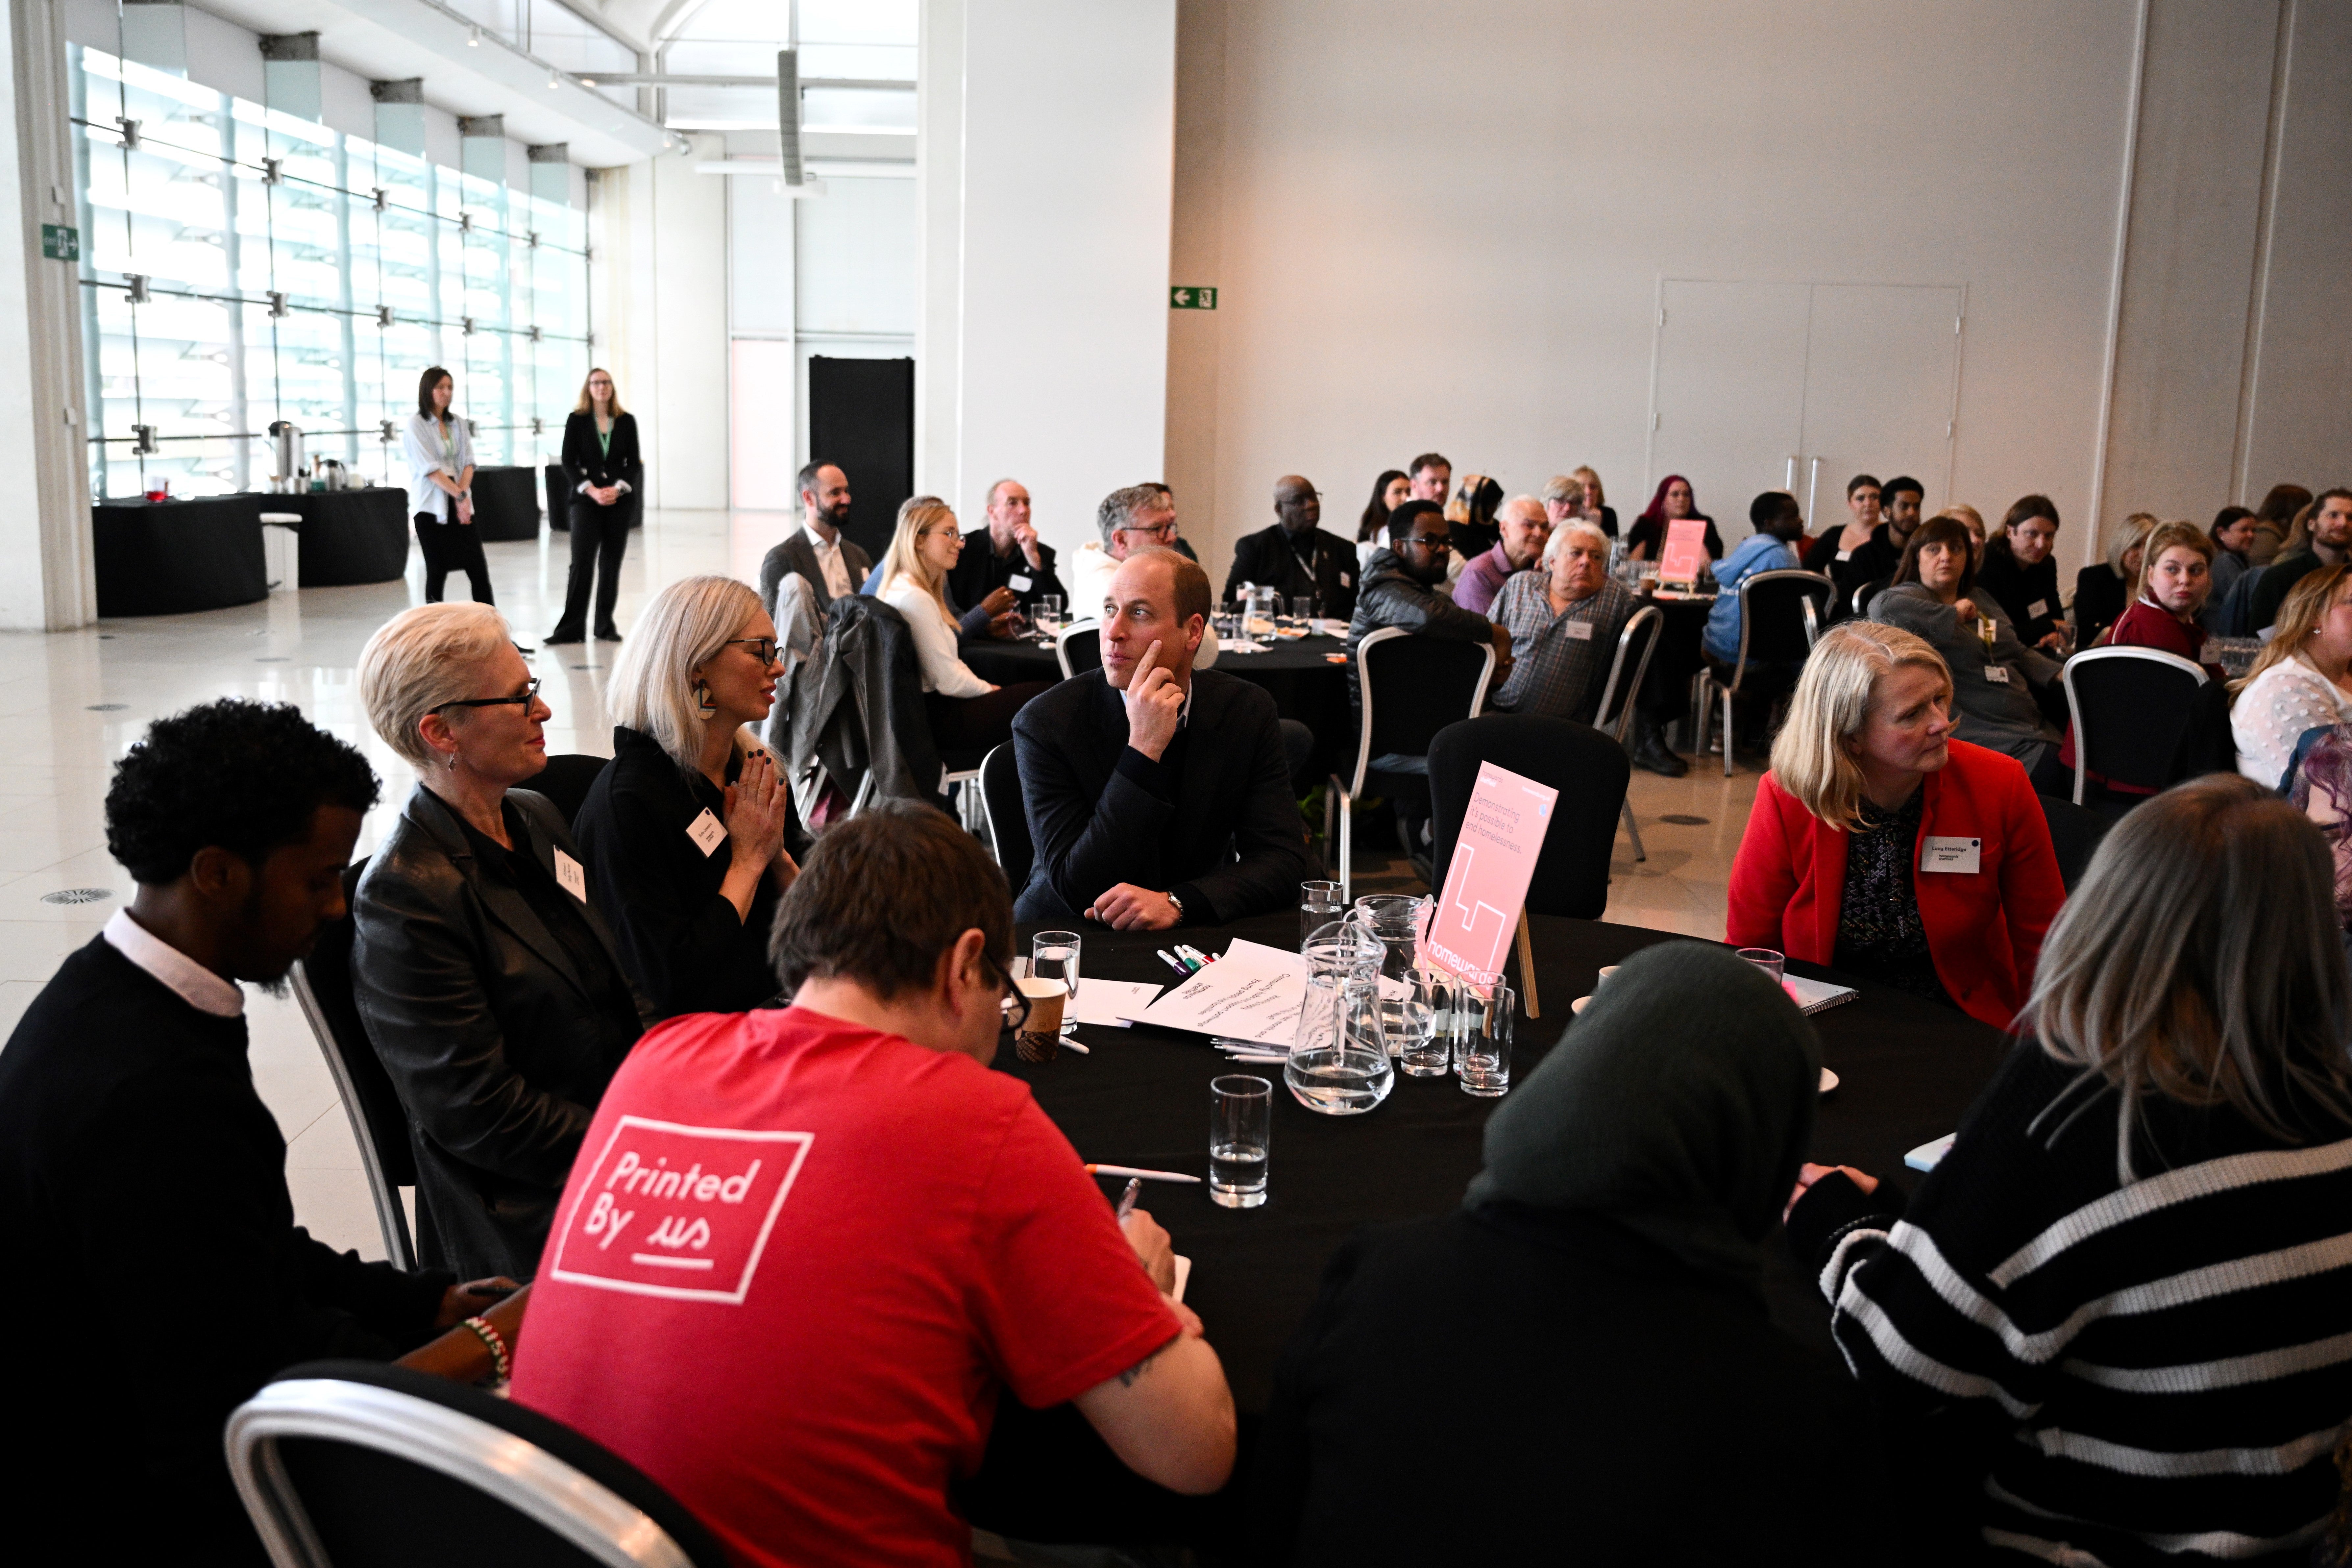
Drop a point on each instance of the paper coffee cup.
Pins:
(1040, 1036)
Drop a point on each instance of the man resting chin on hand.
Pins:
(1158, 796)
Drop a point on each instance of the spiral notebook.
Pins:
(1816, 996)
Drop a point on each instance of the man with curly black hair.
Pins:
(142, 1182)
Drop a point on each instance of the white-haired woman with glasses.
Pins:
(2117, 1315)
(685, 830)
(490, 987)
(967, 713)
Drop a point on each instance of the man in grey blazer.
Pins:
(817, 550)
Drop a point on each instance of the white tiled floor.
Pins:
(301, 648)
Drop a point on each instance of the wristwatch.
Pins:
(1178, 902)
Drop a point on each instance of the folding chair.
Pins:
(2129, 708)
(1008, 821)
(1412, 686)
(1078, 646)
(1583, 763)
(1641, 631)
(1782, 615)
(354, 1462)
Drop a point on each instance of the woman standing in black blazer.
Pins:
(487, 982)
(605, 476)
(684, 832)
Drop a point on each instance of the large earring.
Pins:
(703, 706)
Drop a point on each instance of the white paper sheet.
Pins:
(1111, 1002)
(1252, 993)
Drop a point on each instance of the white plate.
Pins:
(1829, 1080)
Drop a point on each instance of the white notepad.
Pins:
(1817, 995)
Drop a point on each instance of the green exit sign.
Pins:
(59, 243)
(1192, 299)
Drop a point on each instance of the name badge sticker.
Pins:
(2036, 610)
(1845, 555)
(570, 877)
(1017, 582)
(678, 1211)
(1962, 856)
(1580, 631)
(708, 833)
(1998, 673)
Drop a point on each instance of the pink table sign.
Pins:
(1685, 555)
(1474, 917)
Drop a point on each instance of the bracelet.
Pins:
(496, 1343)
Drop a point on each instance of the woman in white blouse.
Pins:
(2302, 678)
(441, 490)
(967, 713)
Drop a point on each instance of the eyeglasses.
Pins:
(1158, 531)
(1431, 542)
(1016, 1002)
(523, 699)
(763, 647)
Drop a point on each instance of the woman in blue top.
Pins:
(441, 490)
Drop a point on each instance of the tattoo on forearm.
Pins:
(1127, 1378)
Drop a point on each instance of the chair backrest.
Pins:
(1637, 642)
(2130, 708)
(2075, 834)
(1414, 686)
(1864, 593)
(1782, 614)
(322, 987)
(566, 780)
(1078, 646)
(359, 1464)
(1589, 770)
(1008, 824)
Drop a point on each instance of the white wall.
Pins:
(1053, 265)
(671, 225)
(1479, 276)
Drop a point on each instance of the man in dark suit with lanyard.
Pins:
(1295, 557)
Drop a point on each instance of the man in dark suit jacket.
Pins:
(1297, 558)
(162, 1279)
(1005, 566)
(818, 549)
(1157, 795)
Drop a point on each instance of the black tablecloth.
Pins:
(506, 503)
(164, 558)
(349, 536)
(1908, 1068)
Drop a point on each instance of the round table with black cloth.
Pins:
(169, 557)
(506, 503)
(350, 536)
(1297, 672)
(1908, 1069)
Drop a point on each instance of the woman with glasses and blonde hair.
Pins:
(1883, 847)
(968, 714)
(605, 478)
(487, 982)
(2119, 1312)
(2300, 680)
(685, 830)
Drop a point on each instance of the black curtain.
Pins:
(862, 418)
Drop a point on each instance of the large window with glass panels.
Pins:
(241, 267)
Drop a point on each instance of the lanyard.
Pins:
(604, 440)
(442, 432)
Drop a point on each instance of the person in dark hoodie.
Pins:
(1581, 1352)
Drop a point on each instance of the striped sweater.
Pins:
(2157, 1373)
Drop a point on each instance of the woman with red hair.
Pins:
(1673, 502)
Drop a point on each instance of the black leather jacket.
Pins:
(500, 1047)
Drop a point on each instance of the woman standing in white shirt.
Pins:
(966, 713)
(2302, 678)
(441, 490)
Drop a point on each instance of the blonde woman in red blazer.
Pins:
(1883, 846)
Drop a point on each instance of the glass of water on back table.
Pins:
(1319, 906)
(1053, 955)
(1241, 1121)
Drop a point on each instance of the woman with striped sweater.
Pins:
(2115, 1322)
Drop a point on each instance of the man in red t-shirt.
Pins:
(802, 1250)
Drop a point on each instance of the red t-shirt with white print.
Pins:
(795, 1262)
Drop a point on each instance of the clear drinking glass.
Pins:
(1771, 962)
(1053, 955)
(1048, 613)
(1482, 1039)
(1423, 1018)
(1319, 906)
(1241, 1123)
(1302, 610)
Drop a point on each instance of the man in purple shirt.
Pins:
(1525, 528)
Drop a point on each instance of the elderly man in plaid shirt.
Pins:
(1564, 620)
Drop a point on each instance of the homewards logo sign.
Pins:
(677, 1211)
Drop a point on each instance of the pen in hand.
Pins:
(1127, 1199)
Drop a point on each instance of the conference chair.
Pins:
(1078, 647)
(2075, 835)
(1588, 767)
(1864, 593)
(1412, 686)
(1615, 715)
(566, 780)
(1782, 614)
(322, 988)
(1008, 821)
(347, 1464)
(2131, 709)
